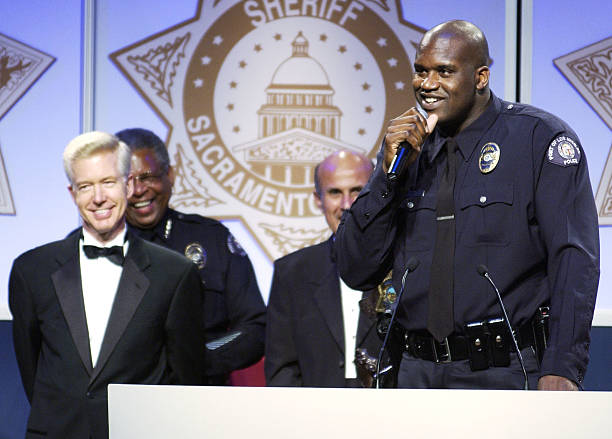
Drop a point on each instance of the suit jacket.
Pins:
(304, 329)
(153, 335)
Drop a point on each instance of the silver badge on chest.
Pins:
(196, 253)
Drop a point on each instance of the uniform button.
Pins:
(483, 199)
(88, 394)
(410, 205)
(510, 107)
(367, 214)
(341, 364)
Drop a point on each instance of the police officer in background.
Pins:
(489, 188)
(234, 311)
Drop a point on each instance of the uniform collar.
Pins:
(468, 138)
(158, 231)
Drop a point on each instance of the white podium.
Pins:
(182, 412)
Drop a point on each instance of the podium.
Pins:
(185, 412)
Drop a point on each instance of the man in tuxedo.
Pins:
(314, 323)
(85, 316)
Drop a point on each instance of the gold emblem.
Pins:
(20, 67)
(196, 253)
(489, 157)
(588, 70)
(257, 95)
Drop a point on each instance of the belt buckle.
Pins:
(441, 357)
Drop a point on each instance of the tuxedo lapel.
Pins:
(67, 283)
(326, 293)
(132, 286)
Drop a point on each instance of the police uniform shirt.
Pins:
(524, 207)
(234, 311)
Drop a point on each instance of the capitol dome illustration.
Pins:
(298, 125)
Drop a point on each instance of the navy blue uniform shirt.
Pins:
(234, 311)
(531, 220)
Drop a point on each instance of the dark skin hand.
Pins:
(554, 382)
(410, 127)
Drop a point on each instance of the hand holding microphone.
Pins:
(404, 139)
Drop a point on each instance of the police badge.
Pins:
(489, 157)
(196, 253)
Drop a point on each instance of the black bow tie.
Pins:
(114, 253)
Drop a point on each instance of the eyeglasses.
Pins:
(148, 179)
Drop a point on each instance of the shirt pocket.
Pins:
(418, 213)
(486, 215)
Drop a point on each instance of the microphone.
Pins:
(395, 168)
(405, 151)
(412, 264)
(484, 272)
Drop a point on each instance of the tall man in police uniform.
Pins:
(234, 309)
(488, 187)
(85, 316)
(314, 320)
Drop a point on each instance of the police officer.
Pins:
(487, 187)
(234, 311)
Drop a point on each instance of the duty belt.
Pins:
(485, 343)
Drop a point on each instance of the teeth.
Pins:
(102, 211)
(142, 204)
(430, 100)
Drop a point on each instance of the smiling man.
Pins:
(314, 321)
(489, 190)
(234, 309)
(100, 306)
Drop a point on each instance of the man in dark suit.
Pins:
(313, 322)
(84, 316)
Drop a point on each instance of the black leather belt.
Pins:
(485, 344)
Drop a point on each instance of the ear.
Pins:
(129, 186)
(318, 200)
(482, 78)
(171, 175)
(72, 193)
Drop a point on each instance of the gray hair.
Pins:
(94, 142)
(139, 138)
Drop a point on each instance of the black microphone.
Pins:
(395, 168)
(404, 152)
(484, 272)
(412, 264)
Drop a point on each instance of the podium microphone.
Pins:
(412, 264)
(484, 272)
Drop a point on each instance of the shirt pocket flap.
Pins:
(485, 195)
(417, 200)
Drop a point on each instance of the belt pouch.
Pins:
(500, 340)
(478, 346)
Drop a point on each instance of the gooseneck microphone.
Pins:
(412, 264)
(484, 272)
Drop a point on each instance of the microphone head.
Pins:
(412, 264)
(482, 269)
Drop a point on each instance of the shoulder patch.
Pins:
(563, 151)
(233, 246)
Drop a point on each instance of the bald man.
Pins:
(489, 191)
(313, 322)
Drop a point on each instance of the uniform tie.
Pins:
(114, 253)
(440, 321)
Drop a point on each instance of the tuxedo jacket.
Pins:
(305, 329)
(153, 335)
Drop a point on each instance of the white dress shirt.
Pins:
(99, 282)
(350, 316)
